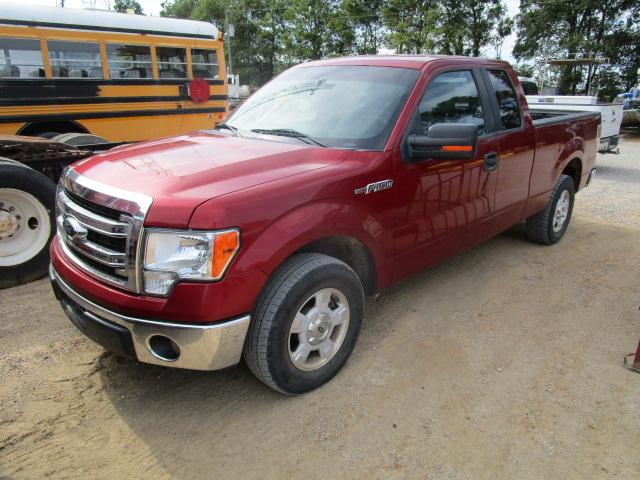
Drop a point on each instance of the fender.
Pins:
(310, 222)
(575, 148)
(538, 198)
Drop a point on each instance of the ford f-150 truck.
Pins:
(262, 238)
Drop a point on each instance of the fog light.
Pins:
(159, 283)
(164, 348)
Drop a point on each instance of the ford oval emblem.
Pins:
(73, 229)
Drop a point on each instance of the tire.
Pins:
(27, 224)
(300, 285)
(48, 135)
(549, 226)
(79, 139)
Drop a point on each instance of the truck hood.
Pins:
(180, 173)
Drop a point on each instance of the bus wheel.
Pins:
(79, 139)
(27, 224)
(48, 135)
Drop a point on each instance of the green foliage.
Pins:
(580, 29)
(271, 35)
(365, 18)
(467, 26)
(412, 25)
(122, 6)
(524, 70)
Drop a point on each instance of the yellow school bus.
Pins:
(122, 77)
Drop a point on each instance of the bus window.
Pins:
(20, 58)
(204, 63)
(129, 61)
(172, 62)
(75, 60)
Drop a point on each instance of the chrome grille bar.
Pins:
(105, 248)
(91, 220)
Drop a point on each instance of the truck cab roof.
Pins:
(416, 62)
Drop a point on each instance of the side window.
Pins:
(506, 98)
(75, 60)
(172, 62)
(451, 97)
(129, 61)
(204, 63)
(20, 58)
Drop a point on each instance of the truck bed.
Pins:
(549, 117)
(560, 135)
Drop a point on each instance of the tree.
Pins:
(123, 5)
(574, 30)
(258, 44)
(411, 25)
(467, 26)
(178, 8)
(503, 28)
(317, 28)
(454, 27)
(365, 18)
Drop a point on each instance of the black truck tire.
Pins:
(27, 223)
(549, 226)
(312, 304)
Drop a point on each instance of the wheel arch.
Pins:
(356, 240)
(573, 168)
(35, 129)
(351, 251)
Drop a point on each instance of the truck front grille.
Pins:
(99, 228)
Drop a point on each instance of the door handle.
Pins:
(490, 162)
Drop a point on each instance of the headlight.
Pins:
(172, 255)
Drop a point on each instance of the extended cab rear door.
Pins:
(516, 143)
(445, 205)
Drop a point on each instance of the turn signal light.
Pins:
(457, 148)
(225, 246)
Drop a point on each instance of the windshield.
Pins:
(337, 106)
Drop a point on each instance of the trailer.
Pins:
(29, 171)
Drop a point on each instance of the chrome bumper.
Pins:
(199, 347)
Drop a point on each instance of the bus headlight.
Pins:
(174, 255)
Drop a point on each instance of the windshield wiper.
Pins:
(231, 128)
(288, 132)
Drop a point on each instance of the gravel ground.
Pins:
(504, 362)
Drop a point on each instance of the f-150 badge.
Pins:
(374, 187)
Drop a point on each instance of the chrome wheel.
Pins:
(24, 227)
(562, 211)
(318, 329)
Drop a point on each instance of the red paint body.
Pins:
(282, 196)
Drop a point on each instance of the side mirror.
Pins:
(444, 140)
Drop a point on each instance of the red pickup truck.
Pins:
(262, 237)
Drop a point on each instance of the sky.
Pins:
(153, 7)
(150, 7)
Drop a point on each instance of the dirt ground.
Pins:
(504, 362)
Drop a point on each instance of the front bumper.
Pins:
(192, 346)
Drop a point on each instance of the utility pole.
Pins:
(228, 30)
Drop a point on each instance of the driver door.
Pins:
(445, 205)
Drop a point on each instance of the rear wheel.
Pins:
(26, 224)
(305, 323)
(548, 226)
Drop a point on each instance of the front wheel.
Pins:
(548, 226)
(305, 323)
(26, 224)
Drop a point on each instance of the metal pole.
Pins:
(226, 21)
